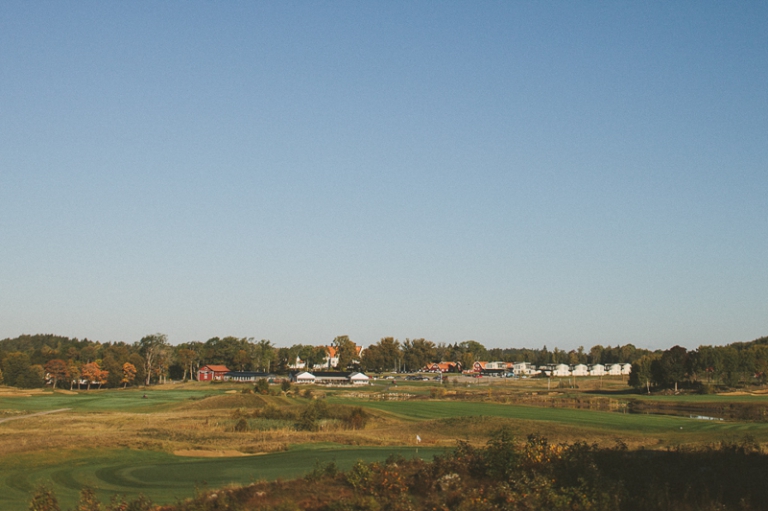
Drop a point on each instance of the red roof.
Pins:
(216, 369)
(332, 350)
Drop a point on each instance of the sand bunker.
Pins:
(227, 453)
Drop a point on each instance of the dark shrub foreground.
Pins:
(507, 475)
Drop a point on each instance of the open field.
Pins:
(120, 442)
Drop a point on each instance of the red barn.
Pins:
(212, 372)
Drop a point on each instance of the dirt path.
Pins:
(33, 415)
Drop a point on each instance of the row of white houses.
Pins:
(528, 369)
(584, 370)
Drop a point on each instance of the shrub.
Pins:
(357, 418)
(88, 500)
(262, 386)
(242, 426)
(436, 392)
(285, 386)
(44, 500)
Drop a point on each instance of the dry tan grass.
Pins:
(208, 425)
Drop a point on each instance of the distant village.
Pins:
(328, 371)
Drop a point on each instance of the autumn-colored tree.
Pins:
(74, 374)
(102, 377)
(57, 370)
(91, 372)
(129, 373)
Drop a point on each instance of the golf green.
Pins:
(165, 478)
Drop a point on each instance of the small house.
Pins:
(580, 370)
(303, 377)
(212, 373)
(597, 370)
(359, 379)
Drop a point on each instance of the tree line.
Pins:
(732, 365)
(26, 360)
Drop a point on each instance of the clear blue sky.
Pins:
(518, 173)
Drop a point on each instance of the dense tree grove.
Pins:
(25, 361)
(741, 363)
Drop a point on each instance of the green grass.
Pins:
(697, 398)
(106, 400)
(590, 419)
(165, 478)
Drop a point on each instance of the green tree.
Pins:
(114, 370)
(467, 361)
(418, 353)
(262, 386)
(15, 366)
(478, 350)
(729, 371)
(264, 355)
(382, 356)
(671, 366)
(241, 360)
(642, 373)
(139, 363)
(311, 355)
(188, 357)
(345, 351)
(596, 354)
(153, 348)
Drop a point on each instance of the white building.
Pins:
(580, 370)
(359, 379)
(303, 377)
(614, 370)
(561, 370)
(523, 368)
(626, 368)
(597, 370)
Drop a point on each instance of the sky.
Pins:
(517, 173)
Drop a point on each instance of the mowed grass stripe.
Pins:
(614, 421)
(106, 400)
(165, 478)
